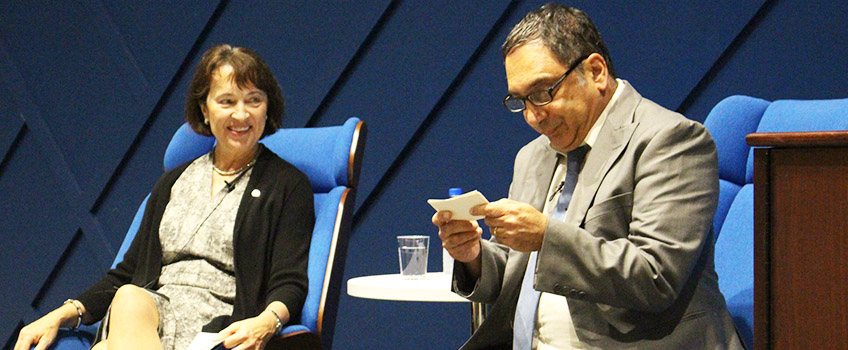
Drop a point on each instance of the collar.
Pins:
(592, 136)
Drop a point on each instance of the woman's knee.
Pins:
(99, 346)
(130, 298)
(130, 292)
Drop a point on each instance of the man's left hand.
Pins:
(514, 224)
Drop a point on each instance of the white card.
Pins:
(460, 205)
(203, 341)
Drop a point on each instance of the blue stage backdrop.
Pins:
(92, 91)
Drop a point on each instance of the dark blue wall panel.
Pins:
(11, 125)
(405, 72)
(665, 47)
(157, 36)
(307, 44)
(795, 51)
(35, 222)
(77, 73)
(94, 90)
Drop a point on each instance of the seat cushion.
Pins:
(727, 193)
(734, 261)
(728, 122)
(801, 115)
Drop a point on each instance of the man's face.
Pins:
(576, 102)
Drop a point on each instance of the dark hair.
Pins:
(248, 69)
(568, 32)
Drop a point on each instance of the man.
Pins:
(629, 264)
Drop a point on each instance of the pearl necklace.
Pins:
(234, 172)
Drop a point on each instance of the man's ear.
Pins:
(598, 75)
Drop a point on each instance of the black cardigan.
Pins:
(271, 241)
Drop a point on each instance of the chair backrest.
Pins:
(729, 122)
(331, 157)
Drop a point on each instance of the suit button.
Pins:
(558, 288)
(581, 294)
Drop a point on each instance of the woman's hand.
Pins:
(254, 333)
(42, 332)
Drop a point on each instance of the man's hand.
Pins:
(514, 224)
(459, 237)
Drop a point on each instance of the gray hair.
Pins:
(568, 32)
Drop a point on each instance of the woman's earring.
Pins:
(206, 121)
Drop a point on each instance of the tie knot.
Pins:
(576, 155)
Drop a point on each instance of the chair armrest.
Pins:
(293, 329)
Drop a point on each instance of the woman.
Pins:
(224, 240)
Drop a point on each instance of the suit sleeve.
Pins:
(638, 246)
(486, 288)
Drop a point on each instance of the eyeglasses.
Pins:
(517, 104)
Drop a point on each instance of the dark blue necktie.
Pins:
(528, 300)
(573, 165)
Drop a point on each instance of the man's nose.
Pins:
(534, 114)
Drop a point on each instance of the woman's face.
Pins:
(236, 115)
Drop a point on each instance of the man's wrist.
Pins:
(474, 267)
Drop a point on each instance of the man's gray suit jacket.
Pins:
(634, 256)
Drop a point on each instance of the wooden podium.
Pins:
(800, 240)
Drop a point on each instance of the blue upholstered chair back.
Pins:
(729, 122)
(331, 158)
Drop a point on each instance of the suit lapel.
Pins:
(543, 173)
(611, 142)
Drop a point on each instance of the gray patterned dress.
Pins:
(198, 280)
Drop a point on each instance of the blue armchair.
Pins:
(331, 157)
(729, 122)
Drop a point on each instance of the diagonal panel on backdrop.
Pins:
(92, 90)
